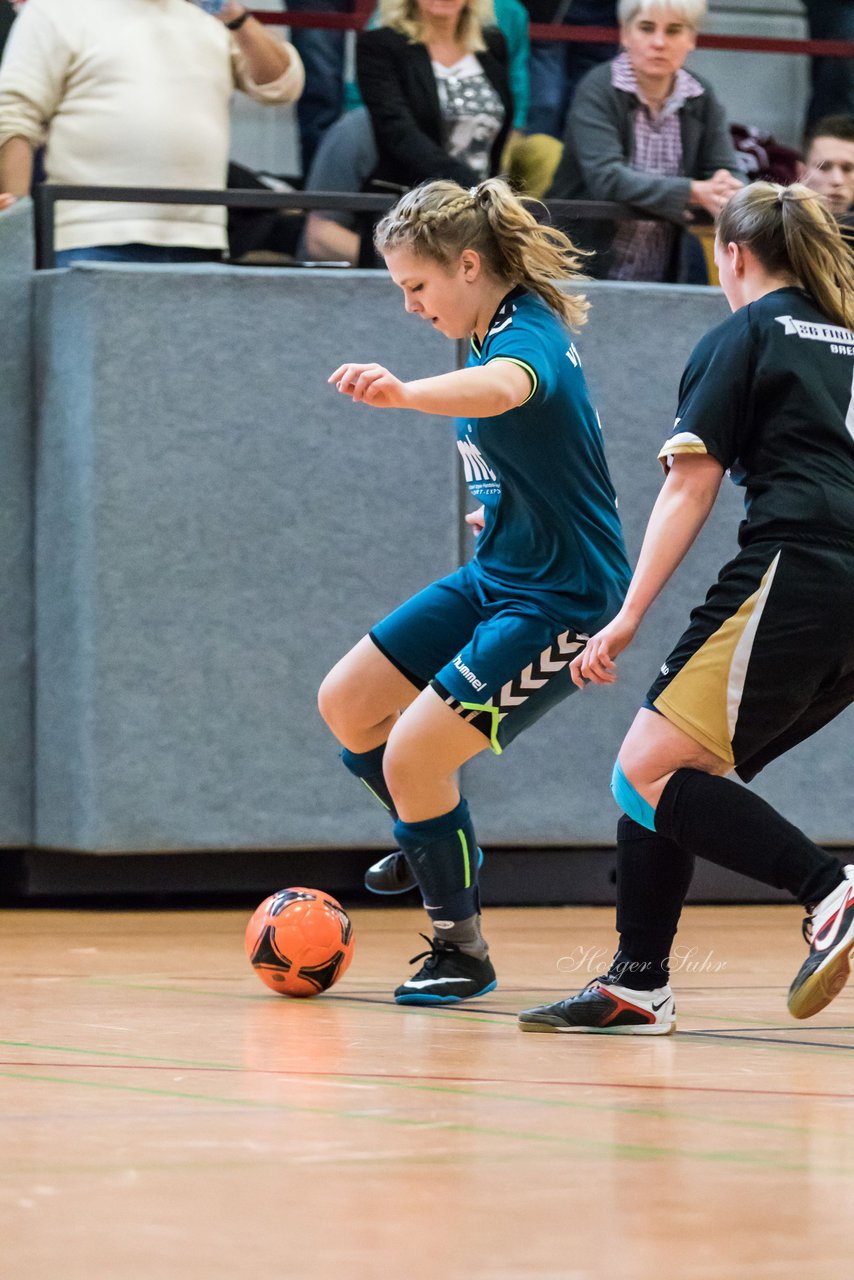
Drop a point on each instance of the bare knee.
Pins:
(335, 703)
(637, 765)
(654, 749)
(402, 763)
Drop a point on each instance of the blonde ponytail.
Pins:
(439, 220)
(792, 232)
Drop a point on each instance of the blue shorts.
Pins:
(500, 664)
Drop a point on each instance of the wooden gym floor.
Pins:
(164, 1115)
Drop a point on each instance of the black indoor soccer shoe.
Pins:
(447, 976)
(608, 1009)
(829, 930)
(392, 874)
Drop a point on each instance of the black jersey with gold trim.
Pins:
(770, 394)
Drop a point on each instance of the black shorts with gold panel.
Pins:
(768, 659)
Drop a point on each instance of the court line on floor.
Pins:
(376, 1003)
(749, 1035)
(237, 1069)
(626, 1151)
(421, 1085)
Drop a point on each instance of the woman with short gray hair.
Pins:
(644, 131)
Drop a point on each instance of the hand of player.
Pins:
(7, 199)
(475, 519)
(371, 384)
(595, 664)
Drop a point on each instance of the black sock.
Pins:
(735, 828)
(653, 876)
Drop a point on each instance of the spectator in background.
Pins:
(832, 79)
(556, 66)
(323, 55)
(344, 161)
(129, 93)
(645, 132)
(348, 156)
(7, 17)
(829, 162)
(511, 18)
(435, 82)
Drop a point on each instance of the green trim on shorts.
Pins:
(496, 715)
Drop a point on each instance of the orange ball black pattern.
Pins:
(299, 941)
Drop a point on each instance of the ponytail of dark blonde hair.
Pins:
(791, 231)
(439, 220)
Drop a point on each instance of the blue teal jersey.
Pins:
(551, 534)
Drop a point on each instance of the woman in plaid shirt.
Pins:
(645, 132)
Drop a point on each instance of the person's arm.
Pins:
(714, 171)
(712, 193)
(268, 69)
(327, 241)
(36, 64)
(481, 392)
(593, 136)
(16, 169)
(402, 144)
(680, 511)
(716, 148)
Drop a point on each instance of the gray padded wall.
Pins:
(216, 526)
(16, 609)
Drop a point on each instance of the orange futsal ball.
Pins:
(299, 941)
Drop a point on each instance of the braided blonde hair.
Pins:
(438, 220)
(792, 232)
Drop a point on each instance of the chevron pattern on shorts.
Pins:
(538, 673)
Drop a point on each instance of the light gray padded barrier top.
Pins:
(16, 551)
(216, 527)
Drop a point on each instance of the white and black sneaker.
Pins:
(447, 976)
(392, 874)
(829, 930)
(608, 1009)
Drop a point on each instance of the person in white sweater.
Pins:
(133, 93)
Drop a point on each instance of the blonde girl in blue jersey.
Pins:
(473, 659)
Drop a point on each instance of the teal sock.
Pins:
(367, 766)
(442, 853)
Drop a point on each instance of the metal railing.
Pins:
(560, 31)
(47, 195)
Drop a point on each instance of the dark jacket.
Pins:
(7, 17)
(597, 149)
(398, 87)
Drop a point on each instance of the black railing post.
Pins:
(44, 205)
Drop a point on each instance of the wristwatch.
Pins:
(237, 23)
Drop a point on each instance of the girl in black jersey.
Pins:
(768, 658)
